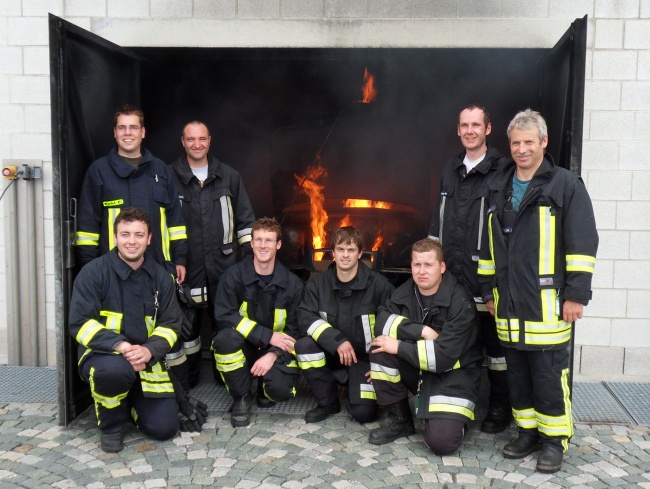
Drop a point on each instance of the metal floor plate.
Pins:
(594, 403)
(635, 398)
(28, 384)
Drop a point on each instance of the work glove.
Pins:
(192, 413)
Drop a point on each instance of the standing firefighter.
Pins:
(536, 267)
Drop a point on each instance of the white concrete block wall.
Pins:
(614, 337)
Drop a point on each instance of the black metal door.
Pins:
(89, 78)
(563, 89)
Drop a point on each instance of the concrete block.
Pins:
(215, 9)
(605, 212)
(638, 305)
(131, 9)
(258, 9)
(611, 126)
(614, 65)
(48, 226)
(599, 155)
(640, 246)
(85, 8)
(641, 123)
(617, 9)
(166, 9)
(533, 8)
(602, 95)
(28, 89)
(11, 60)
(593, 331)
(609, 34)
(636, 34)
(637, 361)
(478, 9)
(346, 8)
(31, 146)
(630, 153)
(634, 216)
(613, 245)
(83, 22)
(601, 360)
(435, 9)
(607, 303)
(610, 185)
(645, 9)
(10, 7)
(3, 31)
(38, 119)
(636, 95)
(626, 332)
(302, 9)
(13, 118)
(389, 9)
(36, 60)
(571, 10)
(28, 31)
(38, 8)
(641, 185)
(632, 274)
(603, 274)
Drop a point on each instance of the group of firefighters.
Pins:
(517, 235)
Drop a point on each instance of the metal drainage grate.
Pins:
(634, 397)
(593, 403)
(28, 384)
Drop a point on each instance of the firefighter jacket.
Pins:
(219, 218)
(112, 184)
(539, 256)
(111, 303)
(331, 315)
(246, 304)
(450, 364)
(457, 221)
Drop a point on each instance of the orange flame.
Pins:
(369, 91)
(317, 211)
(378, 242)
(346, 221)
(376, 204)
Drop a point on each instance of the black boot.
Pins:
(241, 411)
(263, 401)
(112, 442)
(497, 420)
(397, 424)
(550, 460)
(526, 443)
(319, 413)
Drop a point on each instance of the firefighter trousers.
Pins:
(539, 393)
(497, 367)
(117, 391)
(235, 357)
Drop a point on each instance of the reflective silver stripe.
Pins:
(177, 358)
(200, 294)
(431, 355)
(367, 333)
(244, 232)
(311, 357)
(442, 217)
(226, 218)
(497, 364)
(454, 401)
(314, 326)
(389, 324)
(480, 224)
(381, 368)
(191, 347)
(366, 387)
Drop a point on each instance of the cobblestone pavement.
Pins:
(280, 450)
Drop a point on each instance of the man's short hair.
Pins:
(194, 122)
(486, 114)
(268, 224)
(128, 109)
(132, 214)
(428, 244)
(345, 235)
(529, 119)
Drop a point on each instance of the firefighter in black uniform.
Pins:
(426, 342)
(536, 272)
(457, 223)
(130, 176)
(255, 309)
(125, 317)
(336, 316)
(218, 216)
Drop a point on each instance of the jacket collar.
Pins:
(121, 167)
(360, 280)
(491, 161)
(122, 268)
(249, 276)
(184, 172)
(408, 292)
(503, 178)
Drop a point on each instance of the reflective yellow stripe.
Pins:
(367, 391)
(113, 203)
(380, 372)
(177, 232)
(486, 267)
(546, 241)
(88, 331)
(317, 328)
(427, 355)
(525, 418)
(164, 235)
(368, 325)
(245, 327)
(448, 404)
(230, 362)
(558, 425)
(279, 320)
(105, 401)
(113, 320)
(536, 333)
(148, 322)
(113, 212)
(580, 263)
(392, 323)
(312, 360)
(86, 239)
(243, 309)
(166, 333)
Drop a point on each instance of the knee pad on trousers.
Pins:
(443, 436)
